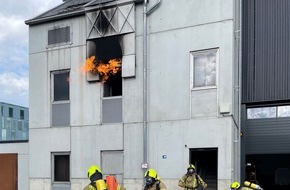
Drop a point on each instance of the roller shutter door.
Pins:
(268, 136)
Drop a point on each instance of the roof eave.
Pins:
(54, 18)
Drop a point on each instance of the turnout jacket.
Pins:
(158, 185)
(191, 182)
(91, 187)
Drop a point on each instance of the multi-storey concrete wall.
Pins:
(179, 117)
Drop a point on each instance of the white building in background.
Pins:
(171, 104)
(14, 133)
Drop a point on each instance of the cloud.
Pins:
(14, 88)
(14, 47)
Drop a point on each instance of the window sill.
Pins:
(204, 88)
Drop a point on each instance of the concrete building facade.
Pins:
(175, 100)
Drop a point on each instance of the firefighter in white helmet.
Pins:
(191, 180)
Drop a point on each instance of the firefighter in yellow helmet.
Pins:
(191, 180)
(235, 186)
(152, 181)
(95, 175)
(248, 186)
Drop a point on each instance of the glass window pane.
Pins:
(283, 111)
(4, 134)
(20, 125)
(2, 110)
(3, 123)
(10, 112)
(204, 69)
(21, 114)
(260, 113)
(61, 86)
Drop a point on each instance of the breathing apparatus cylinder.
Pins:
(101, 184)
(252, 185)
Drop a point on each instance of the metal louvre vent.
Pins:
(59, 35)
(108, 22)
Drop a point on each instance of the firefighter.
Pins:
(235, 186)
(191, 180)
(152, 181)
(95, 175)
(248, 186)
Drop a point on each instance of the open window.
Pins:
(60, 170)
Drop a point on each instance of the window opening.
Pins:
(22, 114)
(113, 86)
(10, 112)
(2, 111)
(61, 86)
(61, 167)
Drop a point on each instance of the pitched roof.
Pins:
(67, 9)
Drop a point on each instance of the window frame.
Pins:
(2, 111)
(53, 155)
(193, 54)
(255, 113)
(53, 73)
(112, 84)
(21, 114)
(10, 112)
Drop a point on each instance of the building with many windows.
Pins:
(14, 123)
(136, 84)
(14, 134)
(130, 85)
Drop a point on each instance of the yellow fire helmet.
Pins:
(235, 185)
(151, 173)
(191, 166)
(93, 169)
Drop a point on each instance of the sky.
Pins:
(14, 66)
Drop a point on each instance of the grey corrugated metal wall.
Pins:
(267, 136)
(266, 48)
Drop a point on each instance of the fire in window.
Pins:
(105, 59)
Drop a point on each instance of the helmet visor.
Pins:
(149, 181)
(191, 171)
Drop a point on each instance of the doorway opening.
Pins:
(272, 171)
(206, 164)
(9, 174)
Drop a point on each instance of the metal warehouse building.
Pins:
(131, 84)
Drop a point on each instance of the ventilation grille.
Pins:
(108, 22)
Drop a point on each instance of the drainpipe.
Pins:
(240, 86)
(238, 38)
(145, 127)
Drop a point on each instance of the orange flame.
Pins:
(104, 69)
